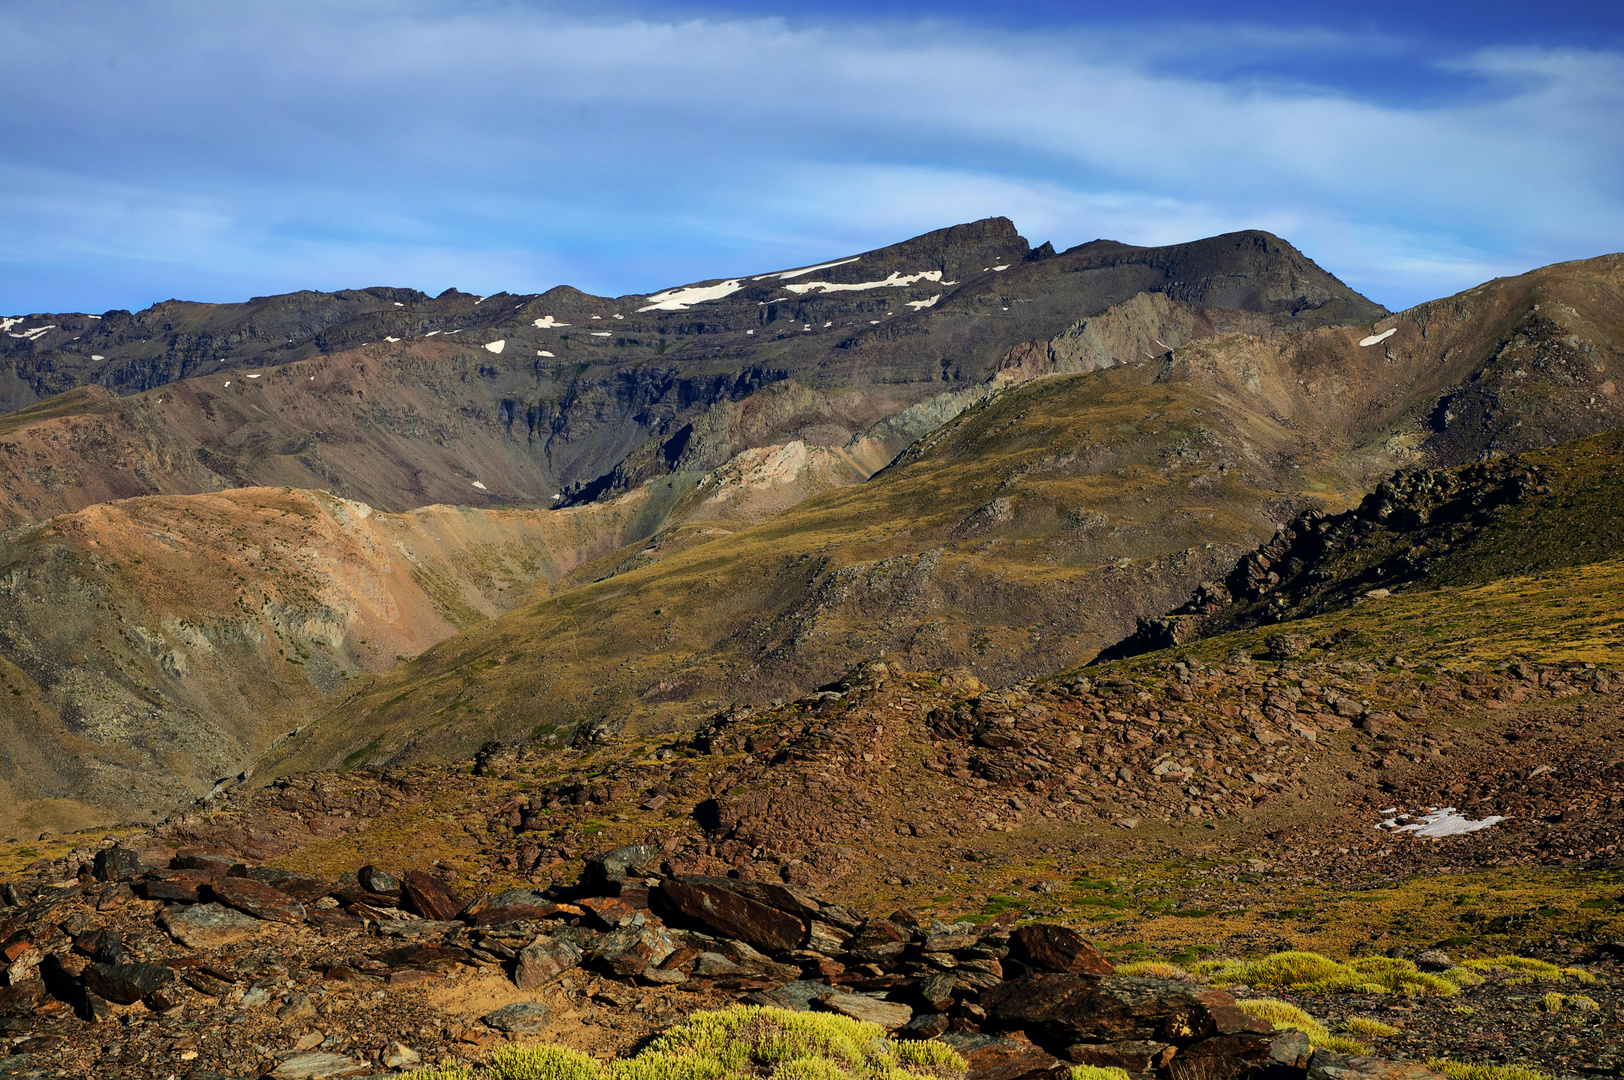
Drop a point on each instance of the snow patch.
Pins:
(603, 333)
(1377, 339)
(399, 304)
(97, 356)
(547, 322)
(36, 333)
(684, 298)
(7, 323)
(895, 280)
(496, 346)
(92, 316)
(387, 338)
(478, 485)
(920, 304)
(431, 333)
(785, 275)
(1438, 821)
(1000, 269)
(620, 316)
(253, 376)
(544, 352)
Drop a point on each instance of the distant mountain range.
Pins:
(593, 514)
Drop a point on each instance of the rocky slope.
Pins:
(1529, 512)
(151, 647)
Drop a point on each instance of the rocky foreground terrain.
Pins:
(900, 847)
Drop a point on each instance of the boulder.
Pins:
(618, 864)
(1062, 1010)
(177, 889)
(924, 1026)
(258, 899)
(118, 864)
(543, 962)
(210, 867)
(1046, 947)
(207, 926)
(935, 991)
(374, 880)
(887, 1014)
(720, 909)
(432, 957)
(520, 1018)
(632, 949)
(125, 983)
(430, 896)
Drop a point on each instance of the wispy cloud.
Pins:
(215, 150)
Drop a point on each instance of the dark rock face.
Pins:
(430, 896)
(374, 880)
(303, 888)
(1326, 1065)
(258, 899)
(614, 866)
(712, 903)
(1046, 947)
(125, 983)
(1064, 1010)
(118, 864)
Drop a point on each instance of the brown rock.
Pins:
(179, 889)
(1135, 1057)
(608, 912)
(258, 899)
(727, 913)
(1063, 1010)
(1222, 1057)
(1004, 1059)
(430, 896)
(1046, 947)
(125, 983)
(887, 1014)
(521, 913)
(302, 887)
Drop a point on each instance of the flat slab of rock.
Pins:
(1325, 1065)
(520, 1018)
(207, 926)
(1046, 947)
(732, 915)
(887, 1014)
(318, 1066)
(258, 899)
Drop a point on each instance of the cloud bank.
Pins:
(216, 151)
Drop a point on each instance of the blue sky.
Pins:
(216, 151)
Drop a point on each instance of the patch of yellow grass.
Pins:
(1460, 1070)
(1313, 973)
(1286, 1016)
(1528, 968)
(1364, 1025)
(1156, 969)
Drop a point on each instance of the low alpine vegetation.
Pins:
(740, 1042)
(1286, 1016)
(1312, 973)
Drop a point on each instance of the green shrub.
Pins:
(1156, 969)
(543, 1063)
(1284, 1015)
(1529, 968)
(744, 1040)
(1096, 1072)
